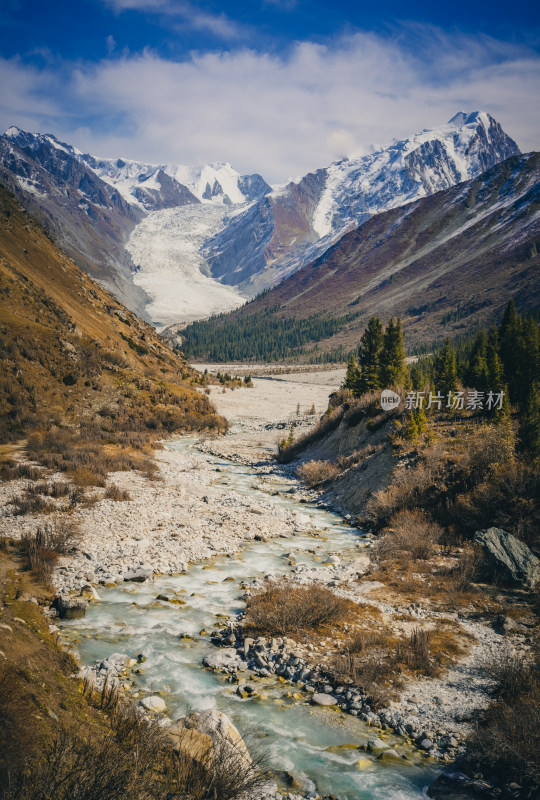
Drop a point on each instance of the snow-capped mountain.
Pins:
(92, 206)
(445, 264)
(178, 242)
(158, 186)
(295, 224)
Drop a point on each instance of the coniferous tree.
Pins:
(527, 360)
(529, 424)
(392, 370)
(411, 428)
(509, 334)
(369, 354)
(495, 376)
(477, 374)
(445, 369)
(352, 377)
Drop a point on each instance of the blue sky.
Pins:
(275, 86)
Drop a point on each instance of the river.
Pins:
(173, 637)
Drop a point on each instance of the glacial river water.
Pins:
(296, 736)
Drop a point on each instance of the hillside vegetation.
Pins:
(88, 381)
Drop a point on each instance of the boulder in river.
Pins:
(224, 658)
(139, 575)
(508, 559)
(69, 607)
(225, 737)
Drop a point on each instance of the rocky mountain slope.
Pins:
(295, 224)
(444, 264)
(89, 219)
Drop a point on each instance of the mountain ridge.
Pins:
(444, 263)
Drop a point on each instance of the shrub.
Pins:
(114, 492)
(48, 542)
(411, 535)
(316, 472)
(506, 744)
(467, 568)
(223, 773)
(285, 608)
(415, 652)
(30, 503)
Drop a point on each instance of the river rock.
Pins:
(375, 745)
(457, 786)
(321, 699)
(69, 607)
(139, 575)
(153, 703)
(390, 757)
(226, 739)
(224, 658)
(507, 558)
(189, 742)
(89, 592)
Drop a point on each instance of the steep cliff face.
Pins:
(88, 218)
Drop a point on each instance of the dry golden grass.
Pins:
(315, 473)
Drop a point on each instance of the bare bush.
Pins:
(411, 535)
(118, 766)
(48, 542)
(224, 773)
(466, 571)
(285, 608)
(114, 492)
(415, 652)
(29, 503)
(368, 661)
(314, 473)
(506, 744)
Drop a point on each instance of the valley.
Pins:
(254, 580)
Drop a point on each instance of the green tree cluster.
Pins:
(380, 360)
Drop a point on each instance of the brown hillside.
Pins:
(71, 354)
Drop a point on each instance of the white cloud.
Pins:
(278, 115)
(187, 14)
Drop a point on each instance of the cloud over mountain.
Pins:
(279, 114)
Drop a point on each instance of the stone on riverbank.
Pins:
(320, 699)
(507, 558)
(224, 658)
(224, 736)
(457, 786)
(153, 703)
(139, 575)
